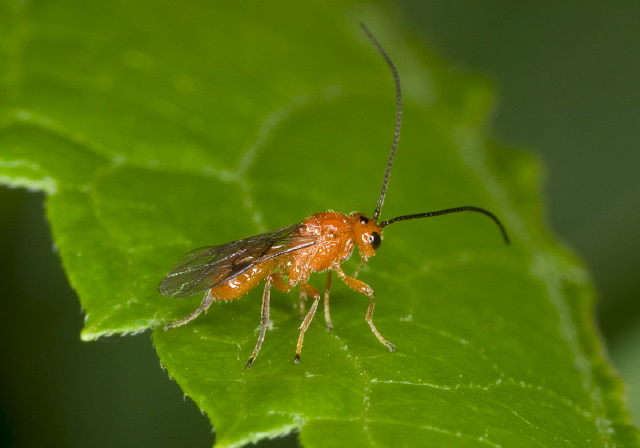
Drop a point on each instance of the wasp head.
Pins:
(368, 234)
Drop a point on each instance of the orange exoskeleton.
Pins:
(287, 257)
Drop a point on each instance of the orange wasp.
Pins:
(287, 257)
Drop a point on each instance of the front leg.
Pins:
(363, 263)
(363, 288)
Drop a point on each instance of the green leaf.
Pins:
(158, 128)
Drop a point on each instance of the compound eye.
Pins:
(375, 240)
(363, 219)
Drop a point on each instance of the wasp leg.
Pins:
(307, 320)
(264, 320)
(206, 303)
(303, 301)
(275, 280)
(363, 288)
(327, 315)
(363, 263)
(369, 320)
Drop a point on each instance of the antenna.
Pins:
(396, 135)
(467, 208)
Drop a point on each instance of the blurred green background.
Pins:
(567, 81)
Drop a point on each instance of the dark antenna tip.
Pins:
(396, 136)
(467, 208)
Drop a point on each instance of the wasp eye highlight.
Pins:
(375, 240)
(363, 219)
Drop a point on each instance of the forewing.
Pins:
(207, 267)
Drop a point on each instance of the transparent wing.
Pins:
(206, 267)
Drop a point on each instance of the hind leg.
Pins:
(275, 280)
(204, 306)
